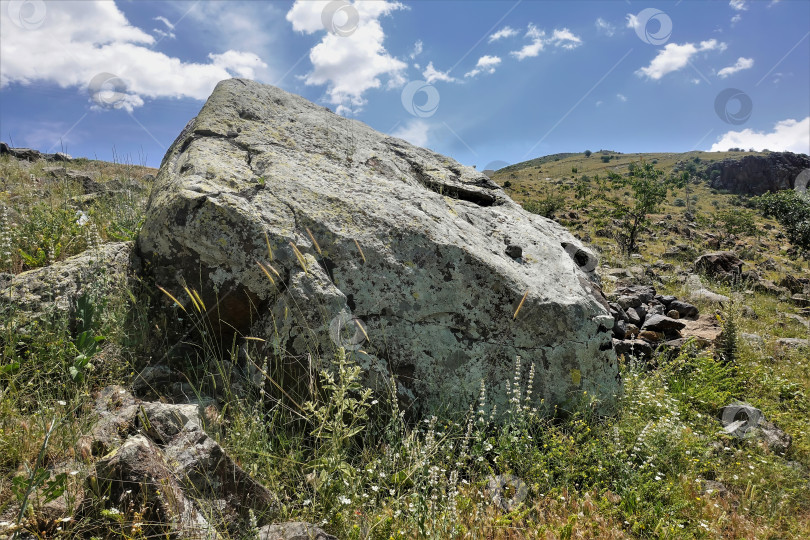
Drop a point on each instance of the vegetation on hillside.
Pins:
(349, 459)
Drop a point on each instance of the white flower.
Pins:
(344, 500)
(307, 502)
(375, 489)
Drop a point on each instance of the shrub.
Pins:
(606, 159)
(679, 202)
(792, 211)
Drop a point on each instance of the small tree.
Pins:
(648, 191)
(588, 153)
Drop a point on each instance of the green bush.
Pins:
(792, 211)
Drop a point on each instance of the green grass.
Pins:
(344, 457)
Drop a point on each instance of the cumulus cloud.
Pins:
(79, 40)
(562, 38)
(485, 64)
(503, 33)
(738, 5)
(416, 132)
(432, 74)
(788, 135)
(604, 27)
(741, 64)
(674, 57)
(349, 65)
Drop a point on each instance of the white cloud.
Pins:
(621, 97)
(485, 64)
(695, 81)
(604, 27)
(531, 49)
(432, 74)
(788, 135)
(79, 40)
(741, 64)
(349, 65)
(417, 50)
(561, 37)
(735, 19)
(165, 21)
(503, 33)
(599, 103)
(738, 5)
(633, 21)
(565, 38)
(416, 132)
(674, 57)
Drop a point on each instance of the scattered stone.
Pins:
(294, 530)
(705, 329)
(685, 310)
(637, 348)
(634, 317)
(723, 265)
(159, 453)
(793, 343)
(673, 314)
(57, 287)
(662, 323)
(800, 300)
(708, 296)
(651, 336)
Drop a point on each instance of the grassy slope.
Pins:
(641, 473)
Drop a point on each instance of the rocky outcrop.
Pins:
(58, 286)
(315, 231)
(755, 175)
(29, 154)
(722, 265)
(156, 459)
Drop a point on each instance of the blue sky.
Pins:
(481, 81)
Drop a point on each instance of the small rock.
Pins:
(294, 530)
(650, 336)
(634, 317)
(514, 251)
(662, 323)
(724, 265)
(673, 314)
(685, 310)
(633, 347)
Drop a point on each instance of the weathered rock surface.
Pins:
(754, 175)
(295, 530)
(57, 287)
(158, 456)
(723, 265)
(409, 242)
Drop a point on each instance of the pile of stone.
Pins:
(156, 459)
(643, 320)
(28, 154)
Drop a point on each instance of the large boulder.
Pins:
(367, 242)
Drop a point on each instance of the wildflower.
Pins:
(344, 500)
